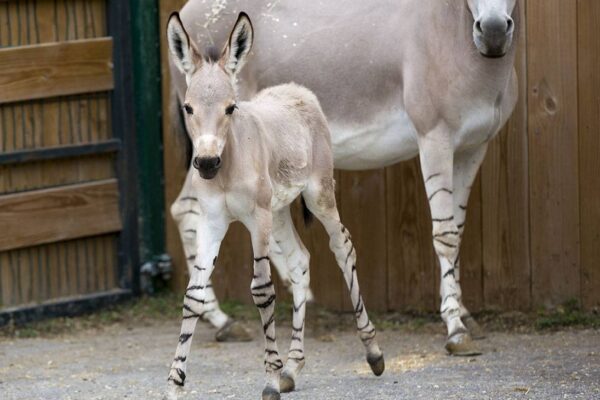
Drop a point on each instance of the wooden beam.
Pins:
(55, 69)
(56, 152)
(52, 215)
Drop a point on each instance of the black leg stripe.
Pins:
(175, 381)
(452, 246)
(184, 337)
(449, 272)
(431, 177)
(180, 358)
(296, 309)
(268, 323)
(442, 219)
(271, 352)
(446, 233)
(440, 191)
(195, 287)
(263, 286)
(259, 259)
(364, 327)
(267, 302)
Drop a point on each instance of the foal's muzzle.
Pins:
(207, 166)
(493, 35)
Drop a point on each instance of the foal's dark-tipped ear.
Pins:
(183, 52)
(239, 44)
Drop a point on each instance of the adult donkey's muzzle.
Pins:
(207, 166)
(493, 35)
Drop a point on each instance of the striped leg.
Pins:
(320, 199)
(466, 166)
(195, 302)
(437, 156)
(288, 251)
(263, 294)
(185, 212)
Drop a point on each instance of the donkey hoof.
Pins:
(286, 383)
(475, 330)
(270, 394)
(461, 344)
(377, 363)
(233, 331)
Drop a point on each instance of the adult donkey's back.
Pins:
(396, 79)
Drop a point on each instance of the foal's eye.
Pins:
(188, 109)
(229, 110)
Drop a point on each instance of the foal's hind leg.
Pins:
(290, 253)
(320, 199)
(186, 213)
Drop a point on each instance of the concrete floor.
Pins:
(121, 362)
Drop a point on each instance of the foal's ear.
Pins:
(239, 45)
(183, 52)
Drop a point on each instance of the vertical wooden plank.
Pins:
(553, 150)
(233, 274)
(363, 212)
(175, 167)
(505, 191)
(412, 266)
(589, 148)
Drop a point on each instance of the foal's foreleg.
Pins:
(211, 234)
(186, 213)
(437, 158)
(263, 294)
(321, 201)
(291, 253)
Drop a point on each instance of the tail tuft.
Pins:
(306, 214)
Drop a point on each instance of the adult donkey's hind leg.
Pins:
(437, 158)
(289, 252)
(320, 199)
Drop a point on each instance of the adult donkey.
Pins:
(396, 79)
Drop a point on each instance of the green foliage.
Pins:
(569, 314)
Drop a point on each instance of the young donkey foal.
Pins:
(253, 159)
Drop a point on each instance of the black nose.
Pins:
(495, 26)
(207, 164)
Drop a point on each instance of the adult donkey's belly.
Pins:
(387, 140)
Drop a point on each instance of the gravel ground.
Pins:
(121, 362)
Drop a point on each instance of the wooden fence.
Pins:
(62, 154)
(534, 220)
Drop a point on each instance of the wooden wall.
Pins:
(59, 200)
(534, 217)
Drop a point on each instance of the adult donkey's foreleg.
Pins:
(466, 166)
(195, 302)
(437, 161)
